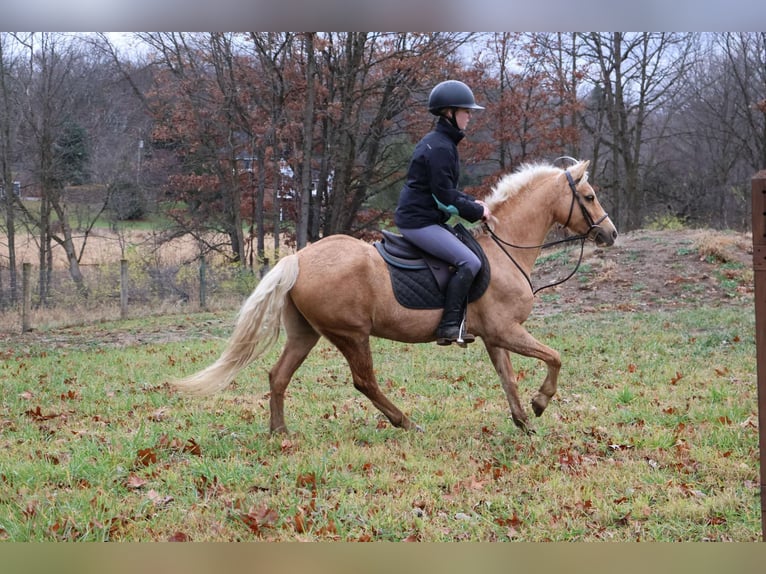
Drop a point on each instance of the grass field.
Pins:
(653, 437)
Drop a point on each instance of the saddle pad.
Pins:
(418, 289)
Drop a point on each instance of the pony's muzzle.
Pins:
(603, 237)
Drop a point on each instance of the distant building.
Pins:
(16, 189)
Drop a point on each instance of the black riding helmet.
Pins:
(451, 94)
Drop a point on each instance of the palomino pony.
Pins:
(339, 288)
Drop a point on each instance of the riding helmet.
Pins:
(451, 94)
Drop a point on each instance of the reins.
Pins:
(501, 243)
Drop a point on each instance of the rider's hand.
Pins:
(487, 215)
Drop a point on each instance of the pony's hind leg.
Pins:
(357, 352)
(301, 338)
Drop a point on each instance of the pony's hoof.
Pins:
(414, 427)
(524, 426)
(539, 404)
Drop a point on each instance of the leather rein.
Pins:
(592, 225)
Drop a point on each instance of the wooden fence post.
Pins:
(759, 273)
(26, 297)
(123, 288)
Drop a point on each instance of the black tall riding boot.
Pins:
(449, 329)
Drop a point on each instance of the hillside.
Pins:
(647, 270)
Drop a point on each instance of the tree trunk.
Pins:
(308, 141)
(67, 242)
(6, 179)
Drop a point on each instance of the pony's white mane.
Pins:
(512, 183)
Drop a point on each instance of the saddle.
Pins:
(419, 280)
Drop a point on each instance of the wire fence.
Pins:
(120, 290)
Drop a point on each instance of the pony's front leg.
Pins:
(518, 340)
(502, 362)
(525, 344)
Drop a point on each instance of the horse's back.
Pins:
(335, 258)
(338, 279)
(343, 286)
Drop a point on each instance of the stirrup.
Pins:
(462, 337)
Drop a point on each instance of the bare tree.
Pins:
(52, 85)
(308, 143)
(369, 80)
(198, 121)
(635, 75)
(9, 118)
(532, 95)
(745, 56)
(720, 126)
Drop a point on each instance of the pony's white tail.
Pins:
(256, 330)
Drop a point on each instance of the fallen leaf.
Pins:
(159, 500)
(287, 445)
(299, 521)
(192, 447)
(135, 482)
(37, 415)
(329, 529)
(258, 518)
(30, 510)
(179, 537)
(307, 480)
(207, 487)
(716, 520)
(159, 415)
(751, 421)
(146, 457)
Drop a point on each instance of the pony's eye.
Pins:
(590, 197)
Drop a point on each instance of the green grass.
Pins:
(652, 436)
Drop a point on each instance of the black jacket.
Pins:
(430, 195)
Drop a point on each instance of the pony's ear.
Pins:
(579, 169)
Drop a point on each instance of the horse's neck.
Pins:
(522, 225)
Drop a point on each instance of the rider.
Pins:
(430, 197)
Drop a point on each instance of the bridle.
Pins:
(593, 227)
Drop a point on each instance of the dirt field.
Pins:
(648, 270)
(103, 247)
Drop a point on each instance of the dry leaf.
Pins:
(158, 499)
(135, 482)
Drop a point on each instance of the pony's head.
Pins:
(570, 197)
(585, 214)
